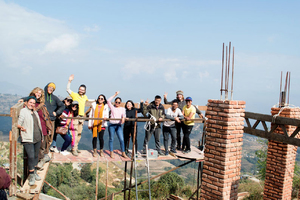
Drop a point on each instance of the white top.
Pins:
(171, 115)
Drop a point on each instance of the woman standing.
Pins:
(31, 136)
(71, 124)
(99, 109)
(46, 123)
(129, 125)
(115, 126)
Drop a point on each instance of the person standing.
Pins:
(71, 124)
(155, 109)
(188, 112)
(81, 98)
(55, 107)
(181, 103)
(67, 102)
(99, 109)
(129, 125)
(173, 113)
(115, 126)
(31, 136)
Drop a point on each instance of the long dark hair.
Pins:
(131, 103)
(105, 101)
(71, 110)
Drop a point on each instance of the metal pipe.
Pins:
(222, 72)
(232, 74)
(97, 177)
(288, 101)
(226, 73)
(229, 49)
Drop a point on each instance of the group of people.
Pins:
(43, 113)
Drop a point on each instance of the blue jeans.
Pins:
(67, 142)
(112, 129)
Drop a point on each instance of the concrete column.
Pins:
(223, 152)
(281, 161)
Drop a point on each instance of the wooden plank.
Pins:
(248, 122)
(296, 131)
(264, 125)
(137, 105)
(37, 187)
(273, 136)
(284, 130)
(256, 124)
(269, 118)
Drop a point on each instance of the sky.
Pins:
(145, 48)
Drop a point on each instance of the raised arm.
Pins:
(69, 84)
(111, 98)
(165, 99)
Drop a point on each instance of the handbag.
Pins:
(61, 130)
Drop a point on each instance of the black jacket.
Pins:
(53, 104)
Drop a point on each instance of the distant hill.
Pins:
(10, 88)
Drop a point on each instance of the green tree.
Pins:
(86, 173)
(261, 155)
(173, 182)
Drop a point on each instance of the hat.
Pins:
(189, 99)
(75, 103)
(179, 92)
(52, 85)
(68, 98)
(31, 97)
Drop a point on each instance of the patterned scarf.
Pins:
(98, 123)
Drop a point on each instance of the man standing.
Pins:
(55, 108)
(188, 112)
(181, 102)
(81, 98)
(173, 113)
(155, 109)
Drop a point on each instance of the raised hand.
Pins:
(165, 95)
(71, 77)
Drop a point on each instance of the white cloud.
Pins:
(62, 44)
(94, 28)
(170, 67)
(26, 36)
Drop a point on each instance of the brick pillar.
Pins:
(223, 150)
(281, 161)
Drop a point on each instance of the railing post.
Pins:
(223, 149)
(281, 160)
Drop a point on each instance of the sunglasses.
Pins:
(101, 98)
(118, 102)
(75, 106)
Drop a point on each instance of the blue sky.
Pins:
(144, 48)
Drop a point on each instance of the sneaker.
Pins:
(36, 176)
(167, 153)
(40, 164)
(143, 151)
(31, 179)
(54, 149)
(46, 158)
(174, 151)
(160, 153)
(78, 151)
(65, 153)
(178, 148)
(186, 151)
(75, 153)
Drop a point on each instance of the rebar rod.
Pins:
(56, 190)
(289, 82)
(225, 88)
(222, 72)
(232, 74)
(228, 69)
